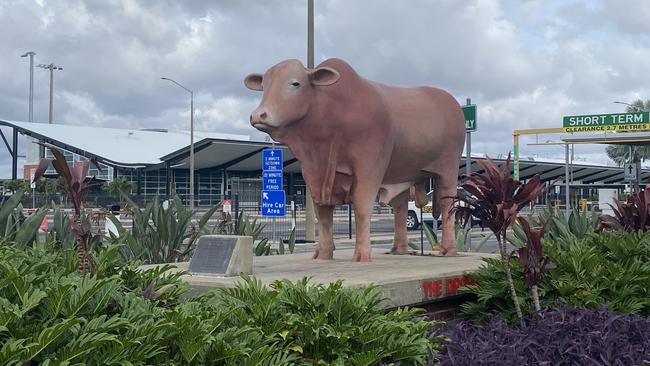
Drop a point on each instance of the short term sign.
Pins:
(607, 122)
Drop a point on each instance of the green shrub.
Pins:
(14, 225)
(123, 315)
(579, 225)
(612, 270)
(160, 234)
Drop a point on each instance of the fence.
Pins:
(103, 200)
(343, 223)
(248, 203)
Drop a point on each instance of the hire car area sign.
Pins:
(273, 200)
(637, 121)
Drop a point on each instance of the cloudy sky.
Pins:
(525, 63)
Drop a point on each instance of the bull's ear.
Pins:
(254, 81)
(324, 76)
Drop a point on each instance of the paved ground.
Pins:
(385, 241)
(404, 279)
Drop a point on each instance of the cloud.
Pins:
(524, 63)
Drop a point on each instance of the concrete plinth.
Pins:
(405, 279)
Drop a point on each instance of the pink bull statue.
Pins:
(357, 138)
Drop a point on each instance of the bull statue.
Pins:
(357, 138)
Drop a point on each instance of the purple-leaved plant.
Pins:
(562, 336)
(496, 198)
(77, 187)
(532, 259)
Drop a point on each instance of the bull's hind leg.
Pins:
(325, 248)
(446, 185)
(400, 208)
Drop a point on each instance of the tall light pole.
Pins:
(191, 140)
(310, 217)
(51, 67)
(31, 55)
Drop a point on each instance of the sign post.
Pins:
(631, 171)
(32, 185)
(273, 200)
(469, 112)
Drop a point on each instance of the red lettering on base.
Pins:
(431, 289)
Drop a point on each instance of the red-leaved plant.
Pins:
(532, 259)
(77, 187)
(496, 198)
(632, 215)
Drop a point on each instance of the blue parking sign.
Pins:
(273, 203)
(272, 181)
(272, 160)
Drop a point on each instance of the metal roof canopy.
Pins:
(223, 151)
(133, 148)
(550, 171)
(231, 155)
(640, 138)
(609, 138)
(587, 176)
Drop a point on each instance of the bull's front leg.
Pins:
(325, 249)
(400, 208)
(363, 203)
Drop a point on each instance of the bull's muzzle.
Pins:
(259, 116)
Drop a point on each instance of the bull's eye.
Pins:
(295, 84)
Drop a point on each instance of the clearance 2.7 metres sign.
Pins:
(607, 122)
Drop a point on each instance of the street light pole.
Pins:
(51, 67)
(637, 109)
(191, 139)
(31, 83)
(191, 150)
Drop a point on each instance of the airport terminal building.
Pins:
(157, 161)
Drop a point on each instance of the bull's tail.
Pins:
(436, 205)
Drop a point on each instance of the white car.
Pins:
(413, 216)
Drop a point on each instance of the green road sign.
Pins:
(470, 117)
(607, 122)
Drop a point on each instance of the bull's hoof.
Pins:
(361, 257)
(448, 252)
(399, 251)
(323, 254)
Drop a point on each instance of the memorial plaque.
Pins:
(212, 254)
(222, 255)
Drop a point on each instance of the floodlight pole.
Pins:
(51, 67)
(191, 140)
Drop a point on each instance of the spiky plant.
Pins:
(76, 187)
(496, 198)
(632, 215)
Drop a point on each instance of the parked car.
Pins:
(413, 218)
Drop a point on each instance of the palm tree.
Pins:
(621, 153)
